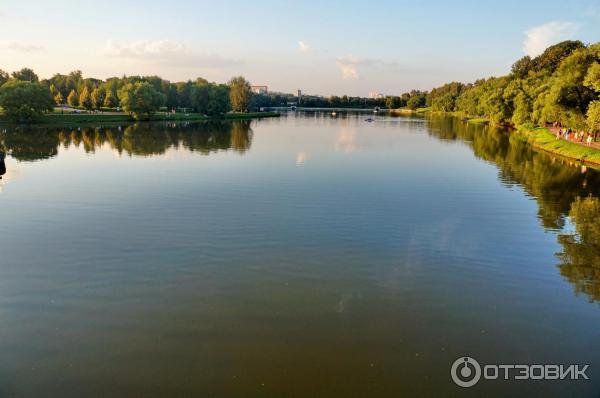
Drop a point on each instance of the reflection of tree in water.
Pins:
(580, 258)
(27, 144)
(35, 143)
(558, 187)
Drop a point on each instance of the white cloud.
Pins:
(349, 66)
(540, 37)
(304, 46)
(20, 47)
(165, 52)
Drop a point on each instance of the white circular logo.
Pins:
(465, 372)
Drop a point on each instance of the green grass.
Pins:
(410, 111)
(543, 139)
(478, 120)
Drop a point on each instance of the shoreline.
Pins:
(539, 138)
(86, 118)
(542, 139)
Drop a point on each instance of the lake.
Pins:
(301, 256)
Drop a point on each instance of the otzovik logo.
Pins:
(465, 372)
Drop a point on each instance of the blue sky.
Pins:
(326, 47)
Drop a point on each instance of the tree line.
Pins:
(560, 85)
(23, 96)
(413, 99)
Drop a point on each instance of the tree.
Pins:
(110, 100)
(184, 94)
(593, 117)
(522, 67)
(97, 97)
(218, 100)
(85, 99)
(140, 99)
(73, 98)
(200, 95)
(26, 75)
(3, 77)
(58, 98)
(240, 93)
(24, 101)
(392, 102)
(592, 78)
(416, 100)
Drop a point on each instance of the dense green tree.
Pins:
(393, 102)
(73, 98)
(240, 93)
(218, 100)
(110, 100)
(58, 98)
(416, 100)
(444, 98)
(85, 98)
(26, 74)
(97, 97)
(184, 95)
(592, 78)
(24, 101)
(140, 99)
(3, 77)
(593, 117)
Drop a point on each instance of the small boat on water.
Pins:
(333, 114)
(369, 119)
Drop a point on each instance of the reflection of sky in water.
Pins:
(220, 267)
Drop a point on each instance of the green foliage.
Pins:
(140, 99)
(593, 117)
(394, 102)
(558, 85)
(97, 97)
(58, 99)
(110, 100)
(3, 77)
(444, 98)
(592, 79)
(416, 99)
(23, 101)
(73, 98)
(85, 99)
(26, 75)
(240, 94)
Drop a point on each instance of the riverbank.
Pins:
(408, 111)
(80, 118)
(541, 138)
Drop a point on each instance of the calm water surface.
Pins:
(305, 256)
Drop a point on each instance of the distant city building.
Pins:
(260, 89)
(376, 95)
(299, 96)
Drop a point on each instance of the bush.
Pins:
(24, 101)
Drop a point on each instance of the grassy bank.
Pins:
(79, 118)
(408, 111)
(541, 138)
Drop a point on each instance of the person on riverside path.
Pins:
(2, 165)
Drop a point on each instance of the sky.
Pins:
(320, 47)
